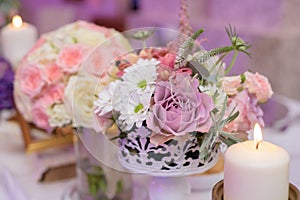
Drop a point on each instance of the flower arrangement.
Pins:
(177, 94)
(45, 80)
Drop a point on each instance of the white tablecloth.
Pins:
(18, 171)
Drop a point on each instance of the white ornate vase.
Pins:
(168, 163)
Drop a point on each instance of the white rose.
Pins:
(58, 116)
(79, 97)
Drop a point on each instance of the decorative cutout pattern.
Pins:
(179, 156)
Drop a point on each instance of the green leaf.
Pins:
(119, 186)
(198, 68)
(232, 117)
(231, 137)
(243, 78)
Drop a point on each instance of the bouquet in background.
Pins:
(183, 92)
(44, 87)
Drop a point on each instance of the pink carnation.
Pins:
(70, 58)
(31, 80)
(249, 112)
(258, 85)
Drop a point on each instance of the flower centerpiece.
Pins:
(45, 79)
(171, 109)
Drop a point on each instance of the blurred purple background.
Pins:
(272, 27)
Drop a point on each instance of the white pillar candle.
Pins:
(16, 40)
(256, 170)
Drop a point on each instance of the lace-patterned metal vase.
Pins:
(168, 163)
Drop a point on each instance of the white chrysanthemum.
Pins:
(218, 95)
(58, 116)
(104, 102)
(142, 74)
(132, 96)
(132, 105)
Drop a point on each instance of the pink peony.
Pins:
(179, 108)
(231, 84)
(258, 85)
(31, 80)
(70, 58)
(249, 112)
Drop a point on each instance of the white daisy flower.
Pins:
(104, 102)
(132, 105)
(142, 74)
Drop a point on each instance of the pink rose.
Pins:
(40, 117)
(258, 85)
(70, 58)
(249, 112)
(53, 94)
(31, 80)
(231, 84)
(53, 73)
(179, 108)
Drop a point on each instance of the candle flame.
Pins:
(17, 21)
(257, 135)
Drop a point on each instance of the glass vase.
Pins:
(95, 180)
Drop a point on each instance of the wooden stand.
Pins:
(218, 192)
(62, 136)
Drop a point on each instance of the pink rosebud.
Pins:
(102, 123)
(31, 80)
(70, 58)
(168, 59)
(231, 84)
(258, 85)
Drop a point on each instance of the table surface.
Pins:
(18, 170)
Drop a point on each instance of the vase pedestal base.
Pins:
(175, 188)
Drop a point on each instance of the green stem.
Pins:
(217, 63)
(234, 57)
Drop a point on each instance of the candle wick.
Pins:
(257, 144)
